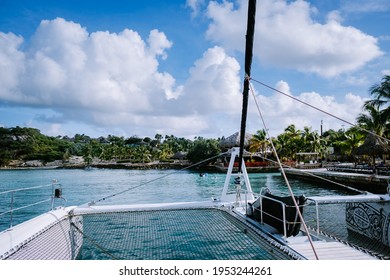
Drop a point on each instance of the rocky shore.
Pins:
(78, 162)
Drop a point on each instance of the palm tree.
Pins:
(334, 139)
(381, 94)
(379, 108)
(377, 121)
(292, 131)
(353, 138)
(374, 121)
(283, 147)
(312, 141)
(289, 142)
(295, 138)
(158, 137)
(165, 152)
(258, 142)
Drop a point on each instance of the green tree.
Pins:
(289, 142)
(373, 121)
(158, 137)
(165, 152)
(282, 147)
(141, 154)
(312, 141)
(381, 94)
(203, 149)
(354, 138)
(259, 142)
(378, 109)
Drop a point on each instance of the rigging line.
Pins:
(25, 189)
(313, 175)
(156, 179)
(318, 109)
(104, 250)
(284, 176)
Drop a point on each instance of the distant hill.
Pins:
(27, 144)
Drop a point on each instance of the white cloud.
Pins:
(386, 72)
(11, 65)
(111, 82)
(195, 6)
(214, 83)
(280, 111)
(287, 36)
(228, 24)
(158, 43)
(334, 16)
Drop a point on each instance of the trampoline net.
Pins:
(188, 234)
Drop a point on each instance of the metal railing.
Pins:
(262, 212)
(284, 220)
(56, 192)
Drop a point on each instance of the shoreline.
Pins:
(77, 162)
(371, 183)
(80, 164)
(177, 165)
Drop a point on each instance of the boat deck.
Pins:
(326, 247)
(327, 250)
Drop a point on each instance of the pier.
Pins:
(366, 182)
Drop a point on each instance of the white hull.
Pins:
(37, 238)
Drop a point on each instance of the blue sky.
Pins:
(175, 67)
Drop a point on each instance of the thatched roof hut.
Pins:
(179, 156)
(234, 140)
(372, 146)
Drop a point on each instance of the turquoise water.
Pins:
(81, 186)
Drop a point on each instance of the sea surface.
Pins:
(117, 186)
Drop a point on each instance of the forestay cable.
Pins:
(284, 176)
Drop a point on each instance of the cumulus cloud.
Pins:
(113, 79)
(289, 37)
(66, 67)
(11, 64)
(214, 83)
(83, 75)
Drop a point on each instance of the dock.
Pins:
(366, 182)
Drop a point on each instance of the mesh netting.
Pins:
(56, 242)
(172, 234)
(333, 223)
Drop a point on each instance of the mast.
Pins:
(248, 63)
